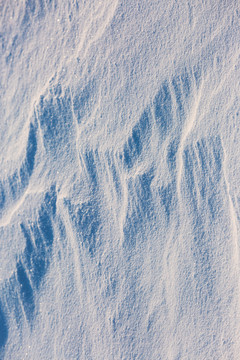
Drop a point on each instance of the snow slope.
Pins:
(119, 180)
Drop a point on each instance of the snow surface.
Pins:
(119, 179)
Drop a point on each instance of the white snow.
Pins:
(119, 180)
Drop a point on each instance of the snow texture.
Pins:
(119, 180)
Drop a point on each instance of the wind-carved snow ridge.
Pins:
(21, 289)
(137, 206)
(119, 180)
(32, 267)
